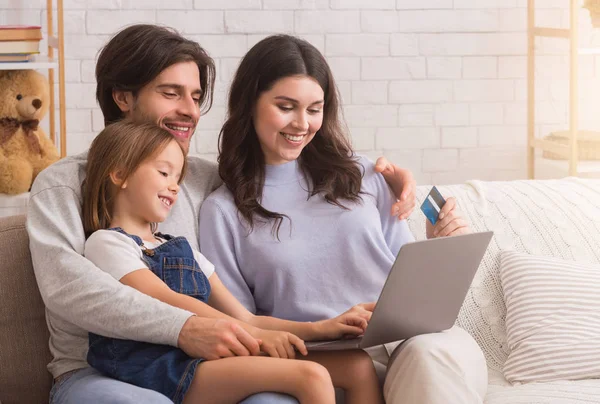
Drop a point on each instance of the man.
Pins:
(147, 73)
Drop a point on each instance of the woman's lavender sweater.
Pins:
(326, 260)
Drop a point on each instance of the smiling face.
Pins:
(171, 100)
(149, 194)
(287, 116)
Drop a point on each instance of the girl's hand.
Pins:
(279, 344)
(450, 221)
(352, 323)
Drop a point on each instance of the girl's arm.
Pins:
(148, 283)
(276, 344)
(352, 322)
(224, 305)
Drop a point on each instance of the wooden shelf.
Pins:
(562, 150)
(550, 168)
(55, 42)
(551, 32)
(40, 62)
(572, 162)
(552, 147)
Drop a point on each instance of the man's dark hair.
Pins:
(139, 53)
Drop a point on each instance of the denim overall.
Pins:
(162, 368)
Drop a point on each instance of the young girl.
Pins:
(132, 180)
(301, 227)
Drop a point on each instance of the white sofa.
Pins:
(559, 218)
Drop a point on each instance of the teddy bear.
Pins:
(25, 149)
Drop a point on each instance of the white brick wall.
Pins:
(438, 86)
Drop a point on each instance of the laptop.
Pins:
(423, 293)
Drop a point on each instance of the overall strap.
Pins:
(135, 238)
(138, 240)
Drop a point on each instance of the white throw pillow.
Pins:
(552, 318)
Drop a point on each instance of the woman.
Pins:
(301, 228)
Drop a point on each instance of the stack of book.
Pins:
(19, 43)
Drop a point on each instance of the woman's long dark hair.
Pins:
(327, 160)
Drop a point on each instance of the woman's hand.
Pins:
(351, 323)
(403, 185)
(279, 344)
(450, 221)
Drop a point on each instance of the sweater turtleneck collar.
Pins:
(283, 173)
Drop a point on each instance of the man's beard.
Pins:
(138, 115)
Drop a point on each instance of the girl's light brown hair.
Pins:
(121, 146)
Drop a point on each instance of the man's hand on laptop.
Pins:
(212, 338)
(450, 221)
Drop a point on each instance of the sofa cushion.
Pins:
(552, 318)
(24, 351)
(501, 391)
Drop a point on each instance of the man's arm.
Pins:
(79, 292)
(402, 183)
(396, 233)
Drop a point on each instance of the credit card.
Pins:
(432, 205)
